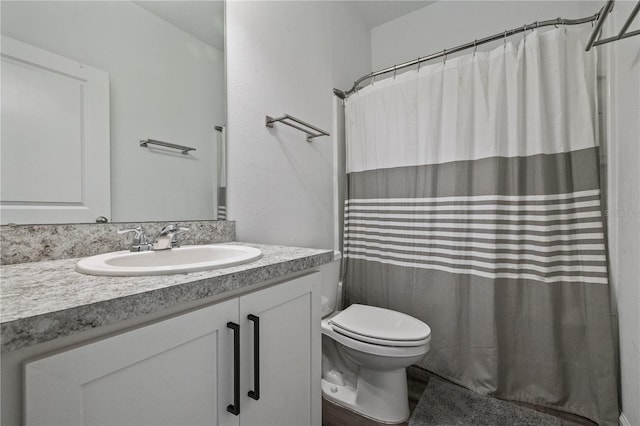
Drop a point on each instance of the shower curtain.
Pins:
(474, 205)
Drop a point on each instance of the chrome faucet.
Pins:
(165, 238)
(139, 242)
(163, 241)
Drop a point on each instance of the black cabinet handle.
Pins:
(255, 393)
(235, 407)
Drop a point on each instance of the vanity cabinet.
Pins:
(258, 354)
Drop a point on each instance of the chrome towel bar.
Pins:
(185, 149)
(310, 134)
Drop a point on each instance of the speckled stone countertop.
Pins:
(42, 301)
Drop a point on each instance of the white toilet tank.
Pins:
(331, 284)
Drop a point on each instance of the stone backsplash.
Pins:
(34, 243)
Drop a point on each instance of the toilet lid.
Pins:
(381, 326)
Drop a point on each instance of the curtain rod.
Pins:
(623, 32)
(342, 94)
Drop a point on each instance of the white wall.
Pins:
(446, 24)
(164, 85)
(285, 57)
(622, 70)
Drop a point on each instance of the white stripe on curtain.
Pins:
(471, 198)
(353, 207)
(540, 257)
(480, 245)
(461, 269)
(477, 106)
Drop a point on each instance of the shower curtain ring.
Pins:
(475, 47)
(505, 39)
(444, 55)
(419, 64)
(373, 78)
(394, 72)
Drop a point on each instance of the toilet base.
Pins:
(380, 395)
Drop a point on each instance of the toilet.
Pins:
(365, 353)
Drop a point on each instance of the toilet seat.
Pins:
(372, 348)
(381, 342)
(381, 326)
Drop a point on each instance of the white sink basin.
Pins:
(164, 262)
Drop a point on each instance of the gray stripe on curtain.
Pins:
(536, 174)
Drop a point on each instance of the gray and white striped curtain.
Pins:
(474, 205)
(221, 167)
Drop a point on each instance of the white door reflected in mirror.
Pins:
(165, 62)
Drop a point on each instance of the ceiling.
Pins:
(376, 13)
(204, 20)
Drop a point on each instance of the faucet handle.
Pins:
(140, 242)
(137, 230)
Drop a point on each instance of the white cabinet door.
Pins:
(289, 354)
(55, 138)
(175, 372)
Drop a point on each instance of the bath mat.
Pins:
(447, 404)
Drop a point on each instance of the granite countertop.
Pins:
(42, 301)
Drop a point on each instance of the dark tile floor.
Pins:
(334, 415)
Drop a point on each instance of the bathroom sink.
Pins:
(163, 262)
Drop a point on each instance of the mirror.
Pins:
(165, 67)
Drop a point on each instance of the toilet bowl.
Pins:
(364, 367)
(365, 353)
